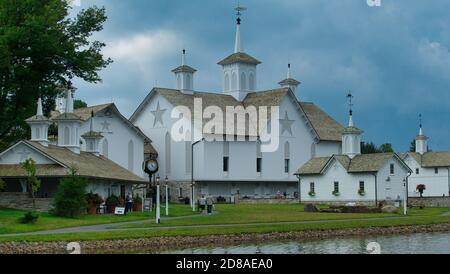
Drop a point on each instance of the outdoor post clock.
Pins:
(151, 166)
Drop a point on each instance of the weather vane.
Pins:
(239, 10)
(420, 120)
(350, 102)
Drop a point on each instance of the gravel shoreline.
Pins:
(158, 244)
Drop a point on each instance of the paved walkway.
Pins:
(113, 227)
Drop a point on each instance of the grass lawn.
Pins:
(9, 219)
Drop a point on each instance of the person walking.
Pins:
(129, 202)
(209, 204)
(202, 204)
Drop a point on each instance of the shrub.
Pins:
(336, 193)
(312, 194)
(112, 200)
(137, 199)
(70, 199)
(361, 192)
(29, 218)
(93, 200)
(2, 185)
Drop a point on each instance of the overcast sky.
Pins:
(394, 58)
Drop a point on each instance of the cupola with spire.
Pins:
(69, 126)
(92, 138)
(184, 76)
(39, 125)
(351, 135)
(421, 140)
(239, 68)
(290, 82)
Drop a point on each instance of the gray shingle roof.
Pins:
(184, 68)
(239, 57)
(326, 127)
(361, 163)
(432, 159)
(87, 164)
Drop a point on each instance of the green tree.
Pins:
(79, 104)
(385, 148)
(369, 148)
(33, 182)
(42, 50)
(412, 146)
(70, 198)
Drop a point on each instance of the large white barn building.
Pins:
(234, 163)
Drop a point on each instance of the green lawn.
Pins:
(9, 219)
(265, 213)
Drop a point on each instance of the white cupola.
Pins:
(92, 139)
(69, 126)
(289, 82)
(239, 69)
(184, 76)
(39, 125)
(421, 140)
(351, 136)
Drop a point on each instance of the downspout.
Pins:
(407, 190)
(376, 189)
(299, 189)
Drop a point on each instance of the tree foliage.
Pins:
(33, 182)
(42, 50)
(369, 148)
(79, 104)
(70, 198)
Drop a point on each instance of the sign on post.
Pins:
(119, 211)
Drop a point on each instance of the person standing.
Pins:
(128, 202)
(209, 205)
(202, 203)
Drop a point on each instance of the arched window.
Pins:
(66, 136)
(227, 82)
(105, 149)
(168, 141)
(188, 153)
(234, 81)
(251, 82)
(226, 157)
(258, 157)
(178, 82)
(188, 82)
(38, 133)
(243, 81)
(287, 156)
(131, 155)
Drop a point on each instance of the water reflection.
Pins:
(430, 243)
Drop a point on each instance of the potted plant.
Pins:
(93, 201)
(361, 192)
(312, 194)
(137, 203)
(111, 203)
(336, 193)
(421, 188)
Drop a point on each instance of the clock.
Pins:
(151, 166)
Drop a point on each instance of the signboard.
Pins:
(147, 204)
(119, 211)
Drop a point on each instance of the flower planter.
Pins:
(137, 207)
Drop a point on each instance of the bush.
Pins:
(70, 199)
(93, 200)
(29, 218)
(137, 199)
(112, 200)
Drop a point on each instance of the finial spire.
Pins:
(92, 121)
(39, 111)
(289, 71)
(69, 101)
(183, 59)
(420, 125)
(237, 46)
(350, 106)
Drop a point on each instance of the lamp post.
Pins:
(158, 213)
(167, 196)
(192, 174)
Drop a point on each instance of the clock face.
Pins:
(151, 166)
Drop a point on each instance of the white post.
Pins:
(158, 213)
(405, 200)
(193, 198)
(167, 200)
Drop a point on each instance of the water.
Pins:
(429, 243)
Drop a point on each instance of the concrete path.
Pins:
(112, 227)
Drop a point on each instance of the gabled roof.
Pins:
(87, 165)
(85, 114)
(364, 163)
(289, 81)
(239, 57)
(322, 125)
(432, 159)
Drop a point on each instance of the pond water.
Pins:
(429, 243)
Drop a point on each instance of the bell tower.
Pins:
(351, 136)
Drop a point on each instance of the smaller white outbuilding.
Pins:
(352, 176)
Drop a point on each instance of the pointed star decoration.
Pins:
(158, 113)
(286, 124)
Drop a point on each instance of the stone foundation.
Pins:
(267, 201)
(22, 201)
(430, 201)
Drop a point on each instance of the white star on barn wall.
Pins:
(158, 113)
(286, 124)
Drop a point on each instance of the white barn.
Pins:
(352, 176)
(230, 164)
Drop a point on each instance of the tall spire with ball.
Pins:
(421, 139)
(237, 45)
